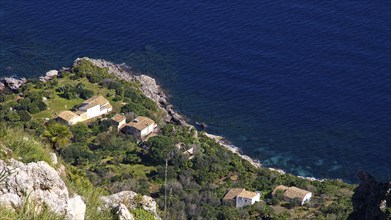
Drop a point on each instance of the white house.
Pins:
(92, 107)
(247, 198)
(294, 193)
(96, 106)
(241, 197)
(140, 127)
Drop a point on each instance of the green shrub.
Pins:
(24, 116)
(141, 214)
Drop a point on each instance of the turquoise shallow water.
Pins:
(303, 86)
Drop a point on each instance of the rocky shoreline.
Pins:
(152, 90)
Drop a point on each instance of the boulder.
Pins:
(39, 181)
(128, 198)
(76, 208)
(2, 86)
(52, 73)
(14, 83)
(39, 184)
(123, 213)
(48, 76)
(53, 158)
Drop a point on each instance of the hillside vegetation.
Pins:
(100, 160)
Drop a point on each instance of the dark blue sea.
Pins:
(304, 86)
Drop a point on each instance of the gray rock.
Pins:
(52, 73)
(39, 184)
(14, 83)
(53, 158)
(48, 76)
(76, 208)
(128, 198)
(123, 213)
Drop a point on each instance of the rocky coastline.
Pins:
(152, 90)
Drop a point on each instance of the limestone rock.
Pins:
(2, 86)
(123, 213)
(14, 83)
(53, 158)
(49, 75)
(128, 198)
(40, 184)
(76, 208)
(52, 73)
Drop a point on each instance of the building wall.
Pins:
(74, 121)
(306, 198)
(83, 116)
(119, 124)
(93, 112)
(105, 110)
(241, 202)
(148, 130)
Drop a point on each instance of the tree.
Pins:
(24, 115)
(80, 132)
(12, 116)
(58, 135)
(41, 106)
(160, 148)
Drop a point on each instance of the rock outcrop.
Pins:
(131, 199)
(40, 186)
(123, 213)
(148, 86)
(48, 76)
(13, 83)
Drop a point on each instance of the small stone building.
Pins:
(68, 117)
(140, 127)
(240, 197)
(118, 121)
(294, 193)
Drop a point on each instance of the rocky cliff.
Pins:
(38, 185)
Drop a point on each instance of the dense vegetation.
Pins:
(99, 157)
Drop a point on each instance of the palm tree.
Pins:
(58, 135)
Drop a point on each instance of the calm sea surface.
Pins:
(304, 86)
